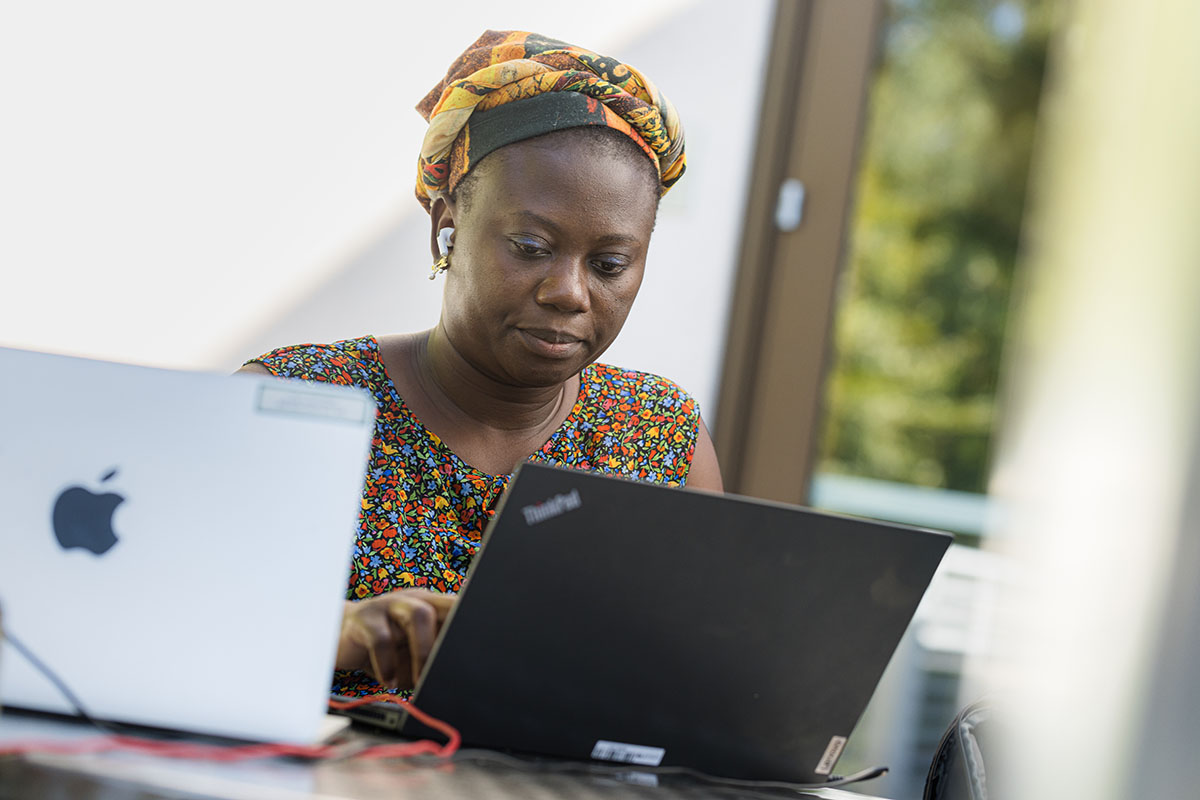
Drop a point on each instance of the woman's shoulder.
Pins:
(632, 423)
(618, 379)
(634, 390)
(349, 362)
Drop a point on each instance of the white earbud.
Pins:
(443, 239)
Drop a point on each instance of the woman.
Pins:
(541, 171)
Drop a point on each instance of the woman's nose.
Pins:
(565, 286)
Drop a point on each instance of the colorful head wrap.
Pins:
(512, 85)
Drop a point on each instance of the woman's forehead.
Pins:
(567, 169)
(550, 180)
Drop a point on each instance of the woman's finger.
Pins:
(442, 603)
(418, 619)
(375, 634)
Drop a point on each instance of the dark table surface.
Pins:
(469, 774)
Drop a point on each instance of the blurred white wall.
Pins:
(187, 184)
(1100, 461)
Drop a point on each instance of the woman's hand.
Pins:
(390, 636)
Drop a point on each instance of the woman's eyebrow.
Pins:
(530, 216)
(608, 238)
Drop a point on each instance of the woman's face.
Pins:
(549, 252)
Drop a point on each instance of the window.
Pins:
(911, 393)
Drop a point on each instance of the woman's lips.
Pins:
(550, 343)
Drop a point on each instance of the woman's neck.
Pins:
(462, 390)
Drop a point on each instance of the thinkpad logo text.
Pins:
(553, 507)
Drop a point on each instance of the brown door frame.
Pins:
(772, 387)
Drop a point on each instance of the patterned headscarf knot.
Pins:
(514, 85)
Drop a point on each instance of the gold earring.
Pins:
(439, 266)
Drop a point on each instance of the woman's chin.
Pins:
(536, 372)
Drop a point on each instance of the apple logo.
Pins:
(84, 519)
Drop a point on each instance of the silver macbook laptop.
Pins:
(174, 545)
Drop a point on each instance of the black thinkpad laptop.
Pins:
(619, 621)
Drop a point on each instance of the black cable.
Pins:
(112, 729)
(50, 675)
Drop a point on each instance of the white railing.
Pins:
(943, 509)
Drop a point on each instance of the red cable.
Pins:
(453, 737)
(193, 750)
(227, 753)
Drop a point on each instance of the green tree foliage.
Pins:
(932, 249)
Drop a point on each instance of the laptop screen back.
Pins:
(175, 545)
(626, 621)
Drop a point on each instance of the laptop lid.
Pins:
(626, 621)
(175, 545)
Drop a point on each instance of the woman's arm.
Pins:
(705, 472)
(254, 368)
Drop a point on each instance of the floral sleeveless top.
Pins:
(424, 509)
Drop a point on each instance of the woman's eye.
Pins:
(610, 267)
(528, 247)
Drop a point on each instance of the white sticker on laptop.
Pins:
(832, 753)
(284, 399)
(628, 753)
